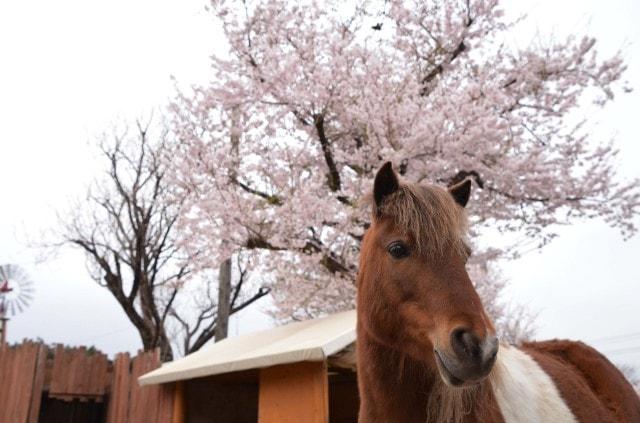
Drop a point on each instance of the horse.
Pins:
(426, 349)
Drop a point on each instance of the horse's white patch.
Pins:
(524, 392)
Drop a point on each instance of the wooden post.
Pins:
(297, 392)
(179, 415)
(3, 331)
(224, 300)
(224, 274)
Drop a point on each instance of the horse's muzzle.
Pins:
(469, 360)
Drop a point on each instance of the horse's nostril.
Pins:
(490, 349)
(465, 344)
(469, 358)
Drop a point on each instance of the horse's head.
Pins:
(414, 293)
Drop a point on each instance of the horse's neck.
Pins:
(393, 386)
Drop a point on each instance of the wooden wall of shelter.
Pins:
(295, 392)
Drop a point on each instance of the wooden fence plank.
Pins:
(24, 382)
(6, 363)
(38, 384)
(149, 403)
(138, 365)
(21, 373)
(118, 409)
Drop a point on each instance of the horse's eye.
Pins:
(398, 250)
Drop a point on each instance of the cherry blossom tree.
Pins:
(317, 95)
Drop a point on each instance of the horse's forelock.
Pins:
(429, 216)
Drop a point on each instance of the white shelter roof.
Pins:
(311, 340)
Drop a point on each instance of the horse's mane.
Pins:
(428, 215)
(448, 404)
(451, 405)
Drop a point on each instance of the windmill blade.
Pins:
(27, 289)
(9, 271)
(21, 301)
(20, 305)
(20, 290)
(27, 297)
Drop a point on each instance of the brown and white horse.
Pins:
(428, 352)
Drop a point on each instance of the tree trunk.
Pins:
(153, 338)
(166, 352)
(224, 300)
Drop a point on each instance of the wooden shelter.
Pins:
(301, 372)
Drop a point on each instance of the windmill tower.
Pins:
(16, 292)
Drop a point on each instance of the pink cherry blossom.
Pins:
(312, 97)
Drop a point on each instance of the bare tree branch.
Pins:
(127, 229)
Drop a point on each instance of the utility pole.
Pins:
(224, 300)
(224, 274)
(4, 290)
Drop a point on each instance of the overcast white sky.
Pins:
(69, 68)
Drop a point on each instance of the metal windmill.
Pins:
(16, 292)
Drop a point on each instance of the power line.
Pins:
(95, 337)
(623, 350)
(616, 338)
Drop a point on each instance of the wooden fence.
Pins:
(42, 384)
(78, 374)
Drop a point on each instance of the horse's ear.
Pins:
(385, 184)
(461, 192)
